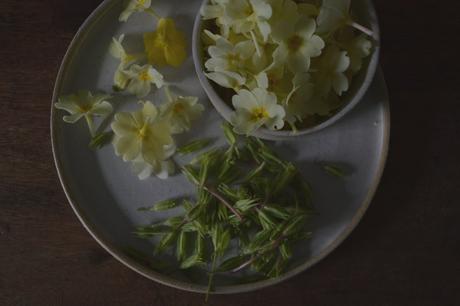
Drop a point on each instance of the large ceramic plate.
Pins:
(105, 194)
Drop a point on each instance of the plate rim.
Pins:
(113, 250)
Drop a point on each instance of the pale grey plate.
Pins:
(105, 194)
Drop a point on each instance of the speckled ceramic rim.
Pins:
(226, 111)
(91, 21)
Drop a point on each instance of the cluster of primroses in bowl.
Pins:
(145, 137)
(287, 64)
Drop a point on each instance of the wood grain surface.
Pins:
(406, 251)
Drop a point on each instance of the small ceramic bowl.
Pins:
(364, 13)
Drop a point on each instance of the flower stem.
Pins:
(218, 196)
(153, 13)
(211, 276)
(90, 123)
(361, 28)
(256, 44)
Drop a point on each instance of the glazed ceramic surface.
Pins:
(105, 194)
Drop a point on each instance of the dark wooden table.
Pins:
(406, 251)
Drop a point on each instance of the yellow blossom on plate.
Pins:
(166, 45)
(143, 137)
(141, 79)
(181, 111)
(134, 6)
(256, 108)
(86, 105)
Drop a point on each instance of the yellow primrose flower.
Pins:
(277, 80)
(330, 71)
(167, 45)
(85, 104)
(254, 109)
(228, 57)
(181, 111)
(118, 51)
(297, 43)
(143, 137)
(141, 79)
(134, 6)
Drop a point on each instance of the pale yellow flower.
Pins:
(254, 109)
(141, 79)
(298, 43)
(143, 137)
(228, 57)
(228, 63)
(86, 105)
(167, 45)
(181, 111)
(276, 79)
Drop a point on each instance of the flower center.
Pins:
(258, 114)
(140, 4)
(249, 11)
(178, 108)
(84, 108)
(294, 43)
(143, 131)
(233, 60)
(272, 82)
(145, 76)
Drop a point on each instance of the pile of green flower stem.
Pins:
(245, 194)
